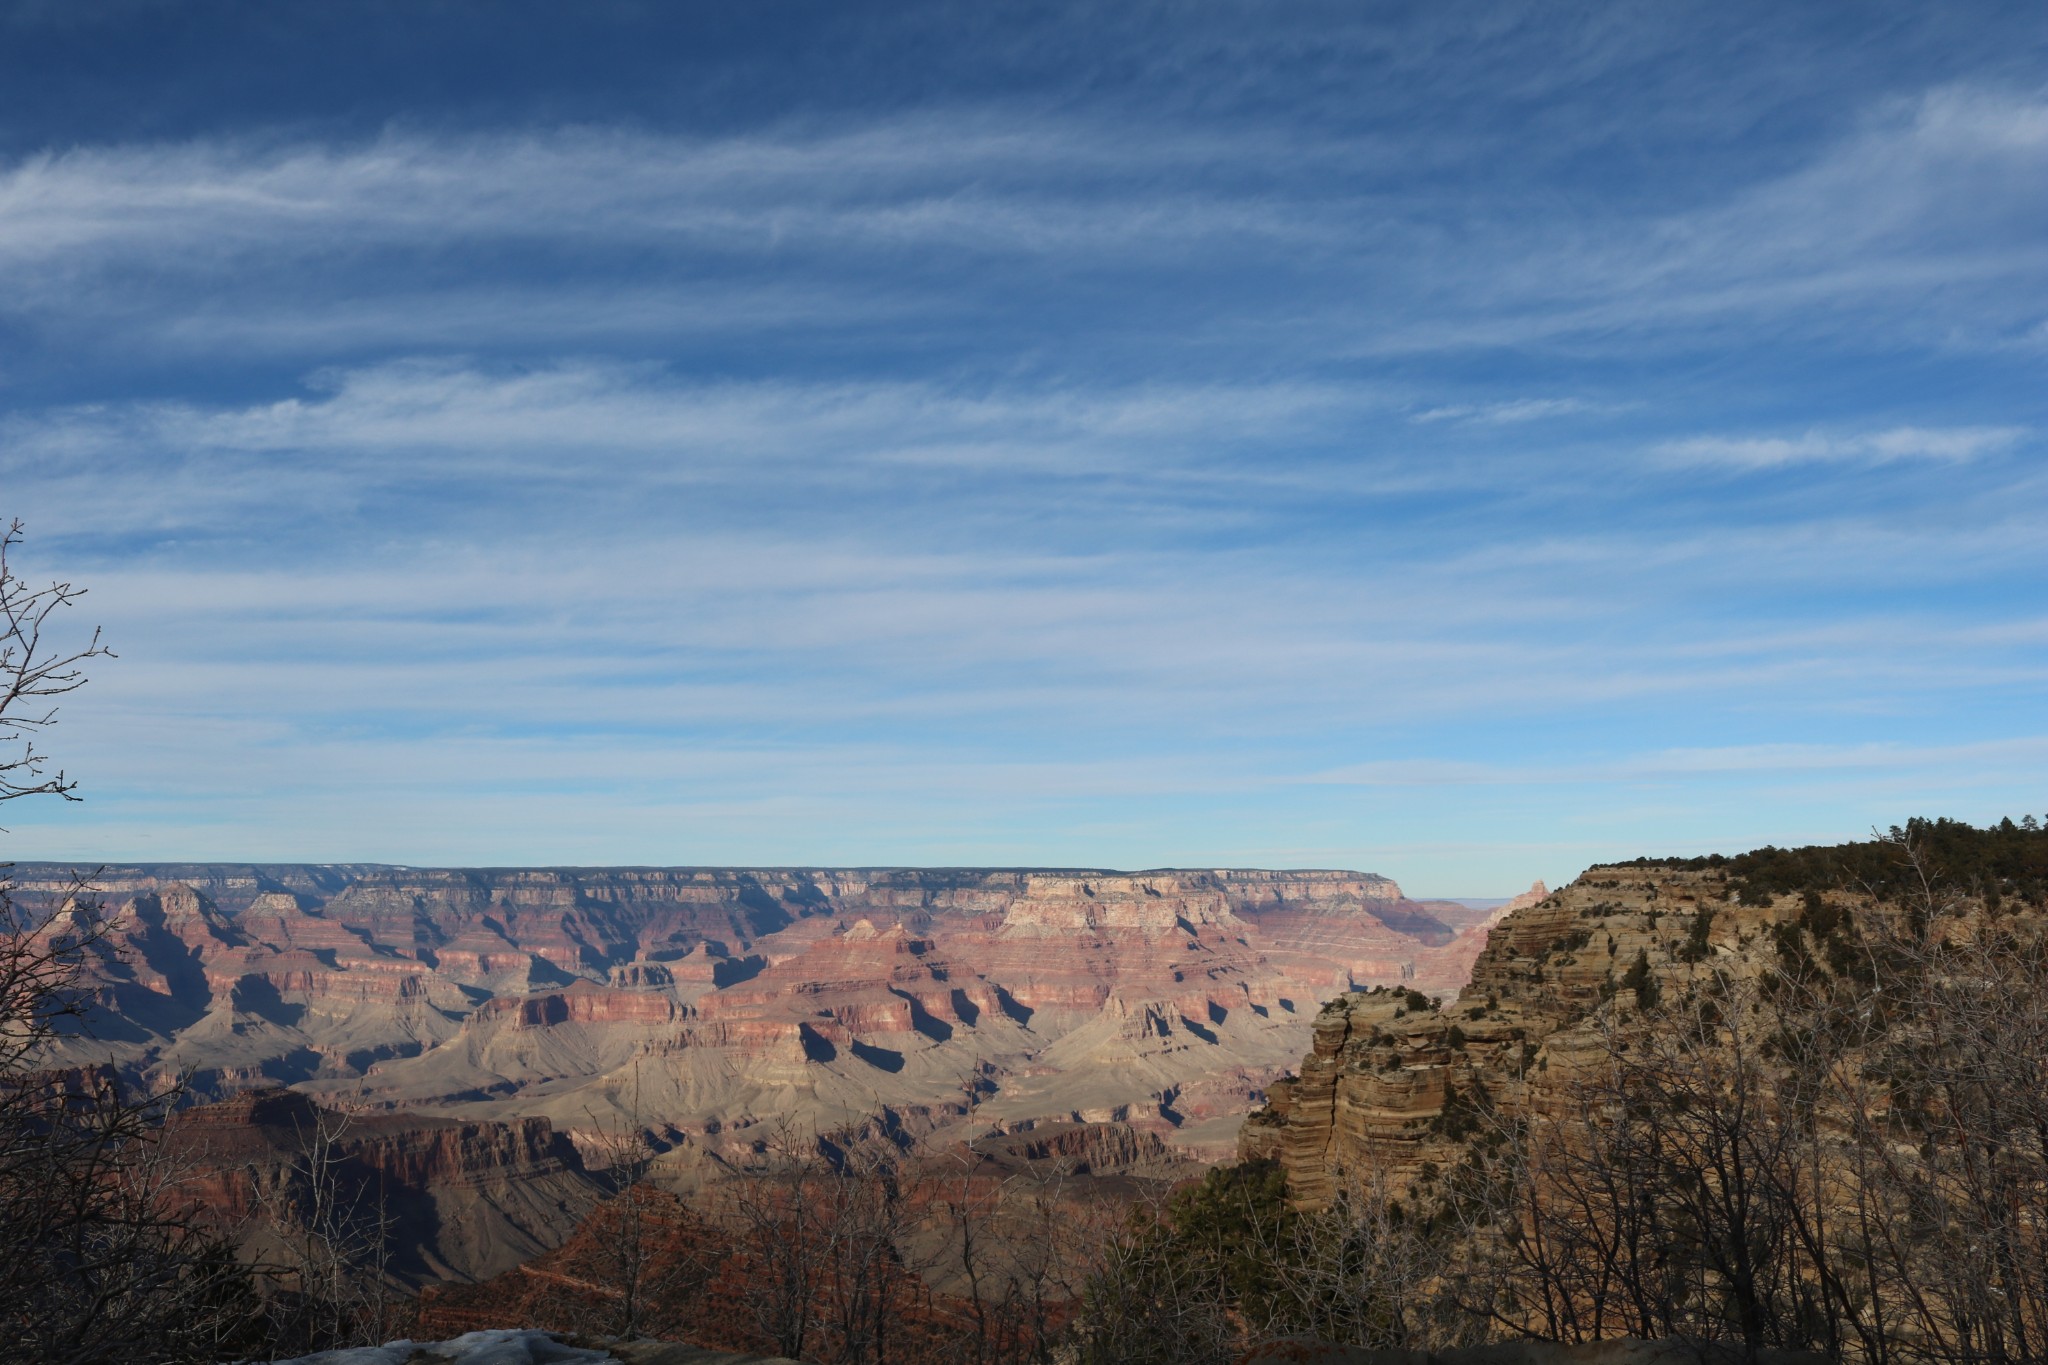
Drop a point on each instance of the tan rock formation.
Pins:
(1378, 1097)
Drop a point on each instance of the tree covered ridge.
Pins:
(2007, 860)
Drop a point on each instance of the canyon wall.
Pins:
(698, 1004)
(1384, 1091)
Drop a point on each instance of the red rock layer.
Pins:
(698, 1003)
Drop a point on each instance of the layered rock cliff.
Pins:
(697, 1003)
(1385, 1092)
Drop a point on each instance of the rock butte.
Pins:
(701, 1003)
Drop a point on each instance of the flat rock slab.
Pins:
(529, 1348)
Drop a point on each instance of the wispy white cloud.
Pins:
(501, 415)
(983, 182)
(1876, 447)
(732, 555)
(665, 646)
(1922, 217)
(1919, 224)
(1508, 411)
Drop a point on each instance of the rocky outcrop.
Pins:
(1378, 1073)
(582, 1002)
(1082, 1149)
(1386, 1088)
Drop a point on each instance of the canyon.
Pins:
(557, 1078)
(705, 1009)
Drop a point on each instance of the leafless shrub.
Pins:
(1947, 1105)
(1664, 1194)
(646, 1261)
(1221, 1266)
(1021, 1246)
(823, 1221)
(322, 1244)
(1158, 1296)
(102, 1256)
(33, 674)
(1361, 1273)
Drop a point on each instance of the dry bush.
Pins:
(1222, 1265)
(318, 1248)
(101, 1256)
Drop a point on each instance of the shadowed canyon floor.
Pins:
(700, 1004)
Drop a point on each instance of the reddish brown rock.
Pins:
(700, 1003)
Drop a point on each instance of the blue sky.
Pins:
(1460, 441)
